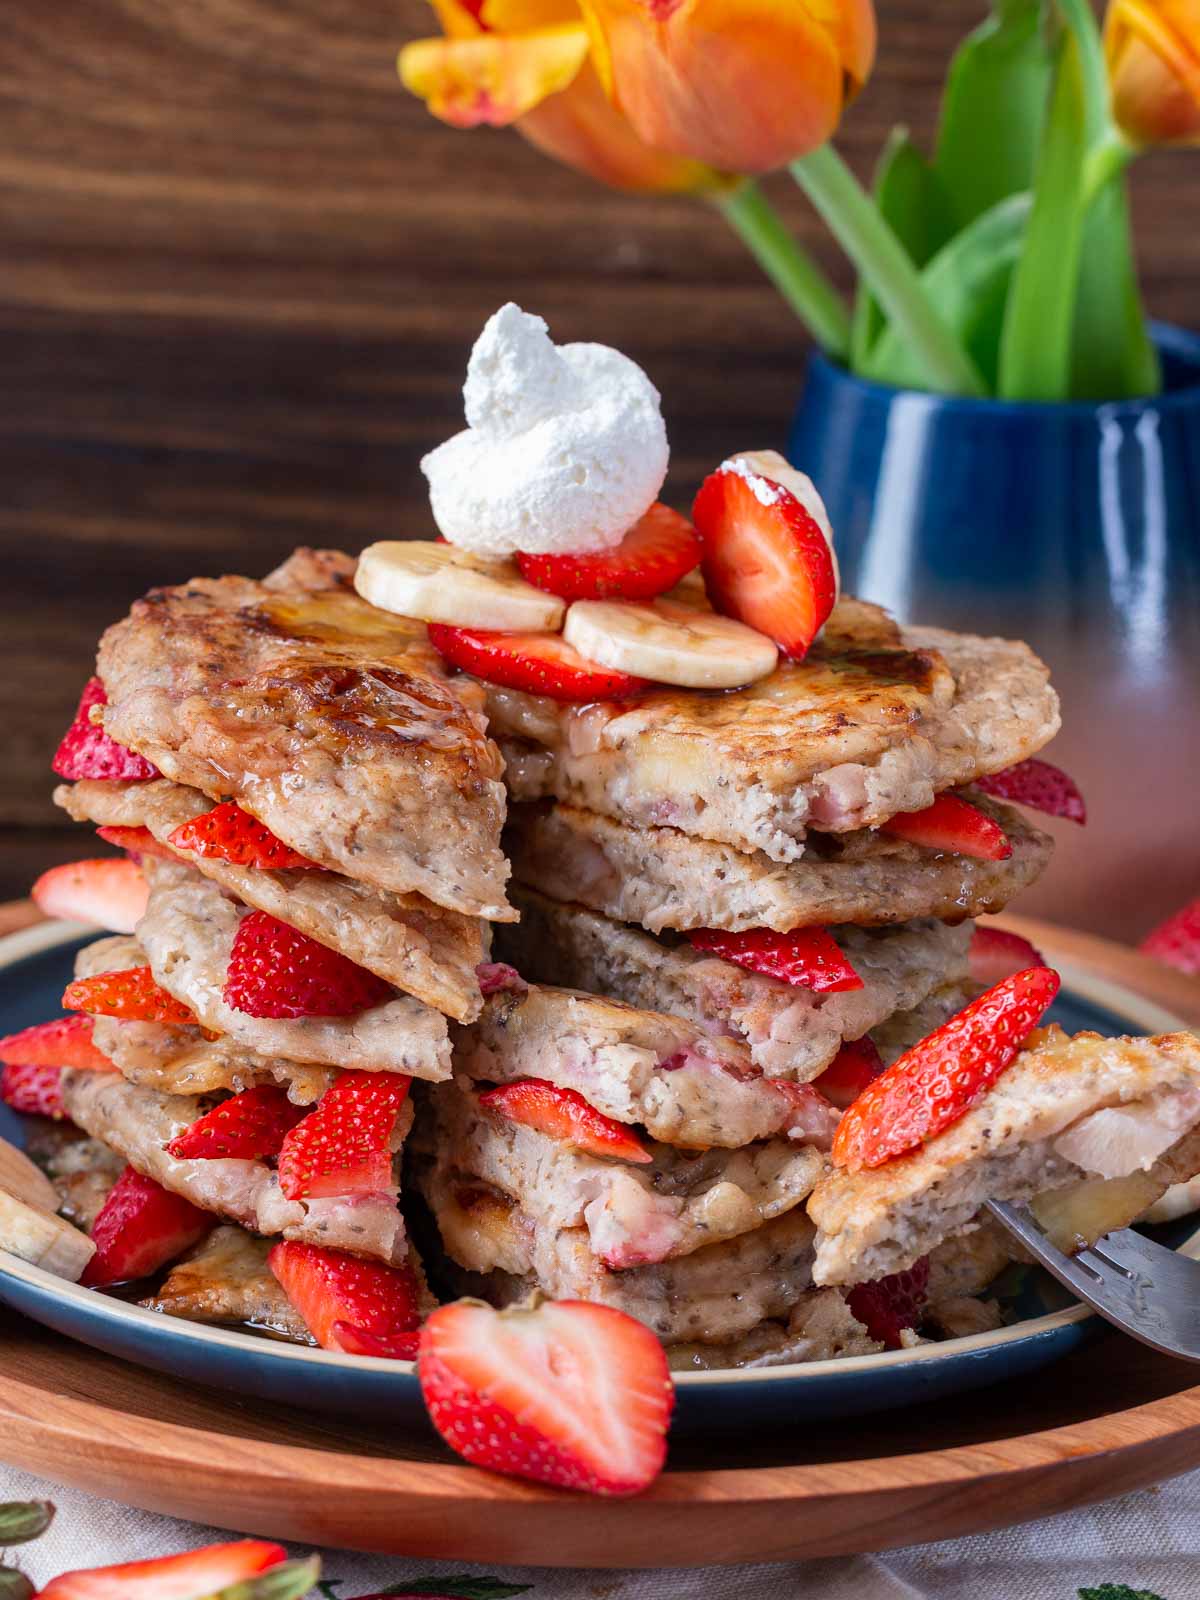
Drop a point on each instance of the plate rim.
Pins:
(1146, 1015)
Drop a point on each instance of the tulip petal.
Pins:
(1153, 51)
(524, 16)
(492, 78)
(582, 128)
(742, 85)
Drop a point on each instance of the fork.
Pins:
(1146, 1290)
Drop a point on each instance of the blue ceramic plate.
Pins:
(35, 966)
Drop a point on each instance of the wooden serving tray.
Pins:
(1111, 1418)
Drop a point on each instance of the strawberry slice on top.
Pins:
(215, 1570)
(660, 549)
(766, 560)
(362, 1308)
(87, 751)
(953, 825)
(109, 892)
(247, 1127)
(65, 1042)
(141, 1227)
(537, 663)
(567, 1393)
(132, 996)
(937, 1081)
(807, 958)
(344, 1146)
(277, 971)
(564, 1115)
(1040, 785)
(228, 833)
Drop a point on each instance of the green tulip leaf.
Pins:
(909, 196)
(289, 1581)
(22, 1520)
(968, 279)
(15, 1585)
(993, 110)
(1112, 354)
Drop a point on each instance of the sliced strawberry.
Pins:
(766, 560)
(652, 557)
(230, 834)
(87, 751)
(807, 958)
(360, 1307)
(567, 1393)
(953, 825)
(65, 1042)
(996, 953)
(136, 843)
(856, 1064)
(277, 971)
(1177, 940)
(1038, 784)
(564, 1115)
(538, 663)
(140, 1228)
(33, 1088)
(890, 1306)
(938, 1081)
(108, 893)
(496, 975)
(344, 1146)
(197, 1575)
(247, 1127)
(132, 996)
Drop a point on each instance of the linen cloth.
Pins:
(1149, 1541)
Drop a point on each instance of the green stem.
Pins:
(1105, 161)
(887, 267)
(790, 268)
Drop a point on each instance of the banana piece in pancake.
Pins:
(188, 932)
(664, 879)
(1089, 1129)
(790, 1032)
(421, 948)
(334, 723)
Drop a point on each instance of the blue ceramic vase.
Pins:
(1077, 528)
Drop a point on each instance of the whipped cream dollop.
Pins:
(564, 449)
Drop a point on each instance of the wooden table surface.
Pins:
(241, 273)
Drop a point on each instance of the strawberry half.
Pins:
(766, 559)
(537, 663)
(360, 1307)
(996, 953)
(1177, 940)
(246, 1127)
(140, 1228)
(108, 893)
(1040, 785)
(136, 842)
(567, 1393)
(344, 1146)
(197, 1575)
(807, 958)
(33, 1088)
(65, 1042)
(889, 1306)
(230, 834)
(564, 1115)
(953, 825)
(938, 1081)
(132, 996)
(654, 555)
(87, 751)
(277, 971)
(857, 1064)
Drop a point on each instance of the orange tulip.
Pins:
(528, 63)
(745, 85)
(1153, 51)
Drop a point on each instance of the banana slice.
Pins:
(20, 1178)
(440, 583)
(669, 643)
(43, 1239)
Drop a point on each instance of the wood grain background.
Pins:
(240, 275)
